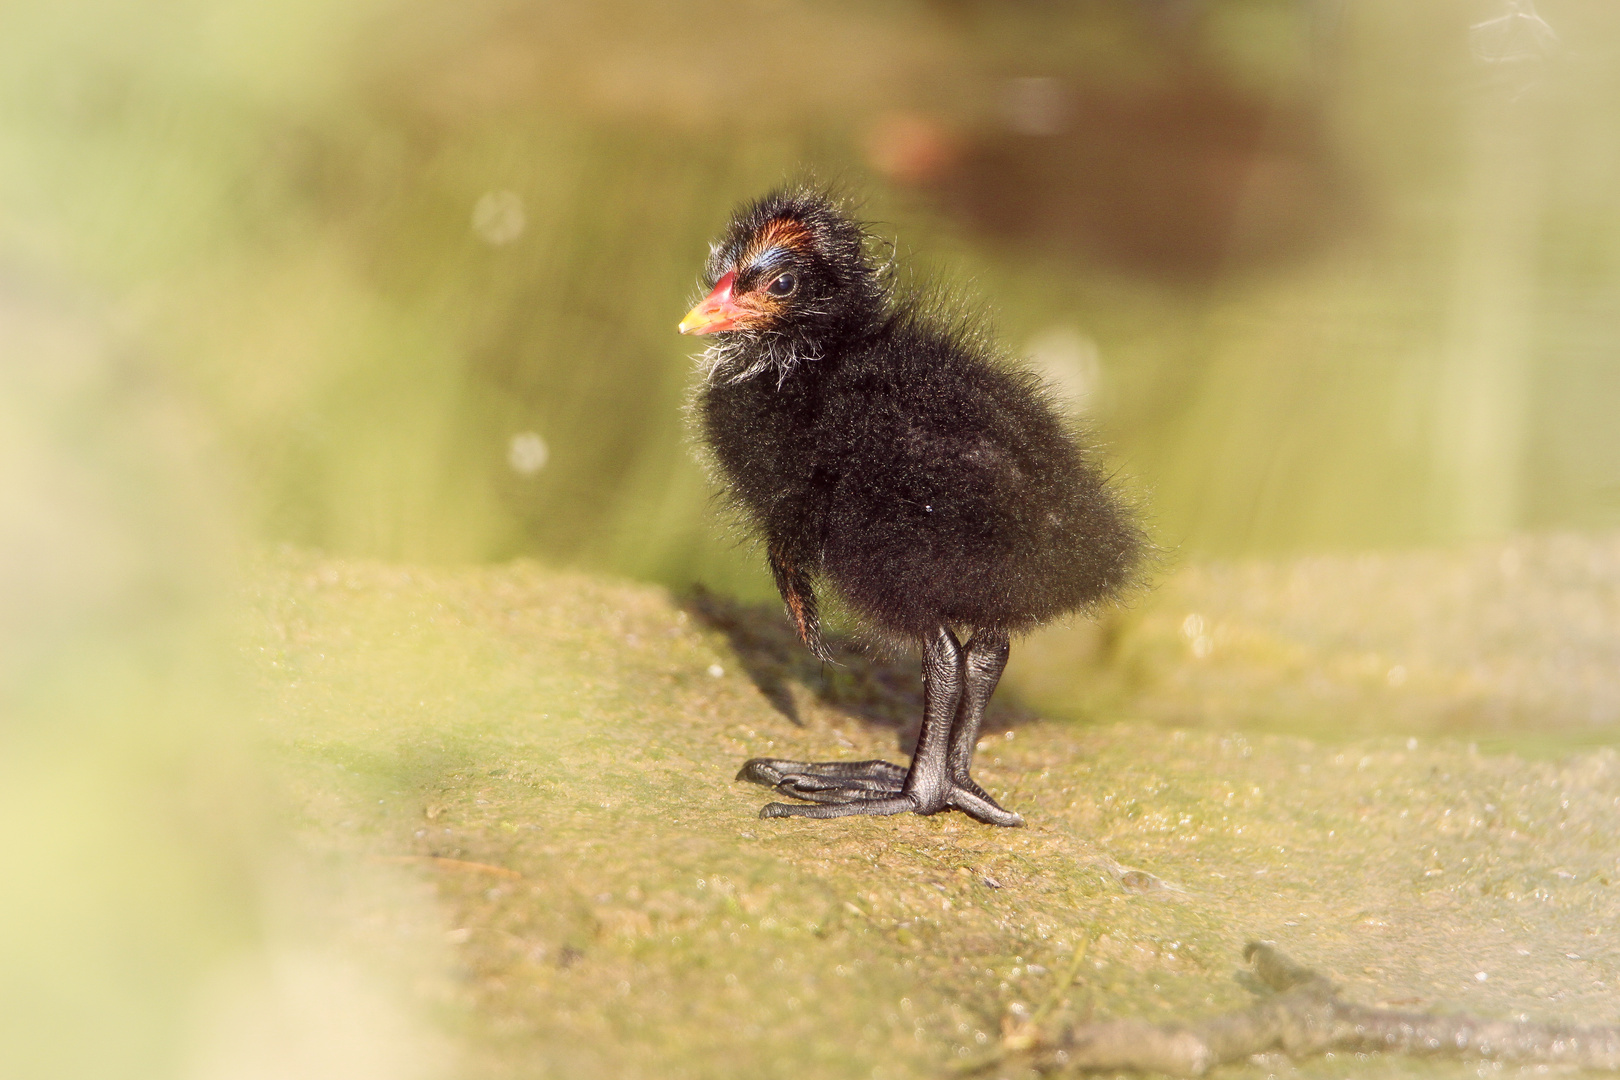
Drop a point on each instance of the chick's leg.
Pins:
(986, 658)
(841, 789)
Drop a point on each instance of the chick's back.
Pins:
(958, 495)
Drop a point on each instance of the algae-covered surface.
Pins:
(525, 778)
(1515, 645)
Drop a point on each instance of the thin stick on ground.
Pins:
(1306, 1017)
(1064, 983)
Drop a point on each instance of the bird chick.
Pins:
(881, 450)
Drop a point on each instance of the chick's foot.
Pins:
(870, 788)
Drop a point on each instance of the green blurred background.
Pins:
(400, 279)
(1320, 274)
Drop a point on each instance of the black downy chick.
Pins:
(882, 451)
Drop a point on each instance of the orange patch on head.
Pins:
(785, 231)
(778, 232)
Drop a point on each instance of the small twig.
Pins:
(1026, 1034)
(1065, 982)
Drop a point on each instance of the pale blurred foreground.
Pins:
(155, 920)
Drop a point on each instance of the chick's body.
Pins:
(922, 482)
(883, 451)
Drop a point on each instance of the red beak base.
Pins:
(717, 312)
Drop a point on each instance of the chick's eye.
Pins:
(782, 285)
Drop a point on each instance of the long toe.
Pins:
(968, 784)
(798, 788)
(876, 769)
(771, 772)
(981, 807)
(891, 804)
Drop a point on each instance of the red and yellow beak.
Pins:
(718, 311)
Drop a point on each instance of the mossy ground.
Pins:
(529, 773)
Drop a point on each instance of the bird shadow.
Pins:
(878, 690)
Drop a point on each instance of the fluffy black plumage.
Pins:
(882, 450)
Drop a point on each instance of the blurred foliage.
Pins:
(1327, 276)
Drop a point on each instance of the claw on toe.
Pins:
(750, 772)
